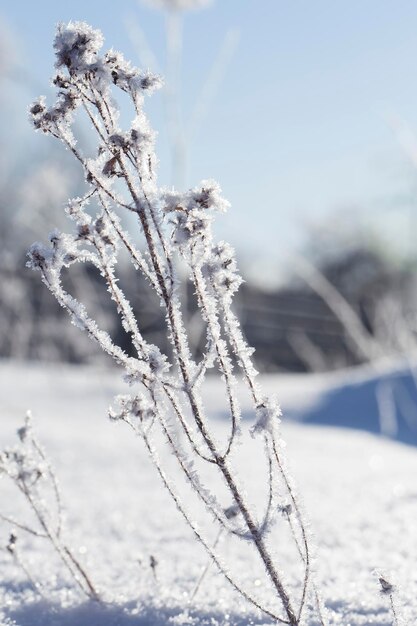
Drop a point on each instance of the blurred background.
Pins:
(304, 112)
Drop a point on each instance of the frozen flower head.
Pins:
(132, 408)
(39, 256)
(209, 196)
(24, 431)
(177, 5)
(76, 45)
(193, 211)
(220, 269)
(190, 226)
(268, 415)
(127, 77)
(386, 587)
(47, 119)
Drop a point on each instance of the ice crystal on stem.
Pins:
(167, 397)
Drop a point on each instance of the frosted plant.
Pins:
(389, 590)
(27, 466)
(166, 406)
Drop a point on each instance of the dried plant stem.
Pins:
(73, 566)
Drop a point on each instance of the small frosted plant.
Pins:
(27, 466)
(389, 590)
(166, 398)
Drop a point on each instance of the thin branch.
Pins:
(20, 526)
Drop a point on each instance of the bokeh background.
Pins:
(305, 114)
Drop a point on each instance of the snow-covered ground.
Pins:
(358, 488)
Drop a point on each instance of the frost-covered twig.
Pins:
(13, 550)
(167, 399)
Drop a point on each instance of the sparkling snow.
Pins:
(358, 488)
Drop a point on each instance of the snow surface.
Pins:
(359, 490)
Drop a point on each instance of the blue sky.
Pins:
(301, 129)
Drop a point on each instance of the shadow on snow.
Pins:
(380, 403)
(92, 614)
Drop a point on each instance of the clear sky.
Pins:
(301, 127)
